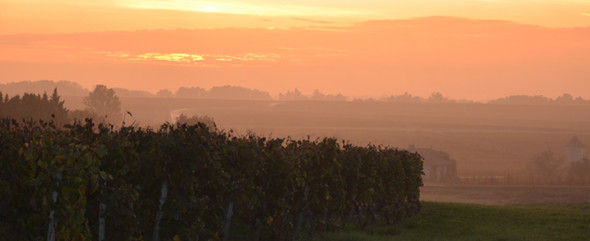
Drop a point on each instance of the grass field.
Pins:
(505, 194)
(453, 222)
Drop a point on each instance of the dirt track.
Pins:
(503, 195)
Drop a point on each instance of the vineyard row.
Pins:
(89, 182)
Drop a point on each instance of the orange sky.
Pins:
(358, 48)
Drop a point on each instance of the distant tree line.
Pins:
(68, 88)
(316, 95)
(546, 168)
(102, 105)
(565, 99)
(34, 107)
(222, 92)
(435, 97)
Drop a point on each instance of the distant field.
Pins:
(505, 195)
(456, 222)
(485, 139)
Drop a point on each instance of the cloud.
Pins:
(585, 14)
(270, 57)
(172, 57)
(186, 58)
(310, 20)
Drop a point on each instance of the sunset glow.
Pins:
(463, 48)
(243, 7)
(172, 57)
(53, 16)
(185, 58)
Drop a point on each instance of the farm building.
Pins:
(438, 165)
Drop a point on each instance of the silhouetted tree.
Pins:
(221, 92)
(317, 95)
(193, 92)
(66, 88)
(405, 98)
(237, 93)
(57, 108)
(105, 104)
(35, 107)
(437, 97)
(564, 99)
(164, 93)
(523, 100)
(546, 168)
(295, 95)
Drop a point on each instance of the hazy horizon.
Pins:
(68, 88)
(464, 49)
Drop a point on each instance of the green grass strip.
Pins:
(455, 222)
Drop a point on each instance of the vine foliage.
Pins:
(192, 183)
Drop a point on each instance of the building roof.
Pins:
(575, 142)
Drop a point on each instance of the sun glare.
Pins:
(248, 8)
(210, 9)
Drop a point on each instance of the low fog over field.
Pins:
(498, 138)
